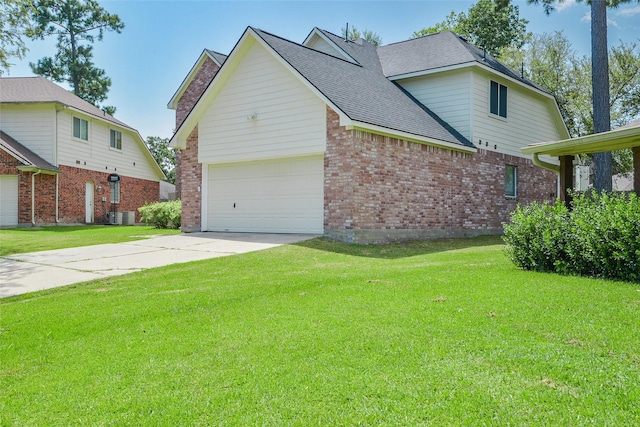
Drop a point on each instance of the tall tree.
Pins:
(77, 24)
(164, 156)
(487, 25)
(599, 78)
(14, 24)
(368, 35)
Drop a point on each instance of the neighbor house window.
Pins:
(116, 140)
(510, 181)
(498, 100)
(115, 192)
(80, 129)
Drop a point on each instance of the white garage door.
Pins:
(8, 201)
(275, 196)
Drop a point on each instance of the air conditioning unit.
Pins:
(115, 218)
(128, 217)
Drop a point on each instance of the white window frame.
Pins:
(114, 192)
(114, 142)
(502, 102)
(511, 191)
(73, 128)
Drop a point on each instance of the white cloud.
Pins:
(610, 21)
(629, 11)
(566, 4)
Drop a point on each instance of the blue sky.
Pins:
(162, 39)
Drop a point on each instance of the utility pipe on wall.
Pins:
(33, 197)
(57, 219)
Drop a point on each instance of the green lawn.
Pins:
(322, 333)
(21, 240)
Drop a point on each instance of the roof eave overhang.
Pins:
(600, 142)
(44, 170)
(380, 130)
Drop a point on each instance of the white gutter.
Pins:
(57, 219)
(545, 165)
(33, 197)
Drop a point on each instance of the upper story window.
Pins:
(511, 181)
(80, 129)
(498, 99)
(115, 140)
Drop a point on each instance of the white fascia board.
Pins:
(606, 141)
(354, 125)
(317, 32)
(431, 71)
(173, 103)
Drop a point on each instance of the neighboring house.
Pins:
(417, 139)
(62, 160)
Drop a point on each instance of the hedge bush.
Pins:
(162, 214)
(599, 236)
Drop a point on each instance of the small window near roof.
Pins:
(80, 129)
(498, 99)
(116, 140)
(511, 181)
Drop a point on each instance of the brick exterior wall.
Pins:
(191, 95)
(134, 193)
(380, 188)
(191, 177)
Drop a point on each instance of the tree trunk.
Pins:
(600, 84)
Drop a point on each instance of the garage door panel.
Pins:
(280, 196)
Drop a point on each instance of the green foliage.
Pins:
(164, 156)
(162, 214)
(599, 237)
(14, 24)
(486, 25)
(74, 22)
(368, 35)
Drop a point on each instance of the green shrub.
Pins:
(163, 214)
(599, 236)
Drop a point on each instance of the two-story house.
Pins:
(62, 160)
(417, 139)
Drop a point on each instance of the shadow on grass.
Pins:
(401, 249)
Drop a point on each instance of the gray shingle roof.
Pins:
(20, 90)
(438, 51)
(219, 57)
(363, 93)
(23, 154)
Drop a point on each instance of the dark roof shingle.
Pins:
(362, 93)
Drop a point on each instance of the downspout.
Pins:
(57, 219)
(545, 165)
(33, 197)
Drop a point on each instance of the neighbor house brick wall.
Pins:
(380, 188)
(134, 193)
(191, 95)
(191, 178)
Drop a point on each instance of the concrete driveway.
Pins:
(36, 271)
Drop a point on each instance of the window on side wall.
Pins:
(115, 192)
(511, 181)
(116, 140)
(80, 129)
(498, 99)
